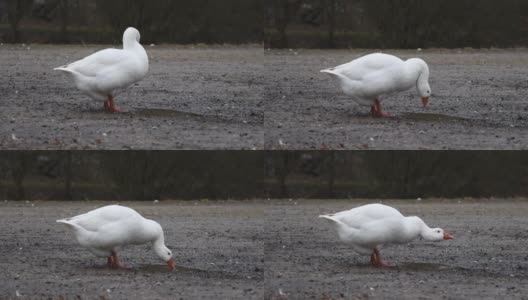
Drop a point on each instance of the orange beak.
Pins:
(447, 236)
(425, 101)
(171, 264)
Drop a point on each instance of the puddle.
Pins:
(430, 117)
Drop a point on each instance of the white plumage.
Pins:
(369, 226)
(104, 74)
(104, 230)
(369, 77)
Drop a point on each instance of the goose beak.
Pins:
(425, 101)
(447, 236)
(171, 264)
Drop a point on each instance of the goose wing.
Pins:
(106, 217)
(360, 216)
(365, 65)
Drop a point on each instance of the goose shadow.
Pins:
(142, 112)
(176, 114)
(424, 267)
(147, 268)
(406, 116)
(151, 113)
(164, 113)
(164, 269)
(429, 117)
(411, 266)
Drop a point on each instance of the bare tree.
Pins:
(16, 10)
(331, 16)
(282, 15)
(19, 165)
(64, 16)
(68, 174)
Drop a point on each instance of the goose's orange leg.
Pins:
(110, 105)
(378, 262)
(373, 259)
(115, 262)
(372, 110)
(376, 109)
(109, 261)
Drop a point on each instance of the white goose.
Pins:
(104, 74)
(366, 227)
(369, 77)
(104, 230)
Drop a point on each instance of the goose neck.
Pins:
(414, 227)
(153, 232)
(418, 69)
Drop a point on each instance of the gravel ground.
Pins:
(478, 102)
(272, 250)
(218, 251)
(487, 259)
(237, 98)
(193, 98)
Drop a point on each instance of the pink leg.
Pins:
(115, 262)
(373, 110)
(376, 109)
(373, 259)
(109, 261)
(378, 261)
(111, 105)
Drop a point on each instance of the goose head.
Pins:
(422, 82)
(165, 254)
(159, 244)
(131, 37)
(424, 90)
(417, 227)
(435, 234)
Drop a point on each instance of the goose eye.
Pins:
(168, 253)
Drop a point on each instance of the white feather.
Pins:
(369, 226)
(107, 72)
(109, 228)
(371, 76)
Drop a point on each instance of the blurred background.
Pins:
(133, 175)
(151, 175)
(103, 21)
(281, 23)
(395, 23)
